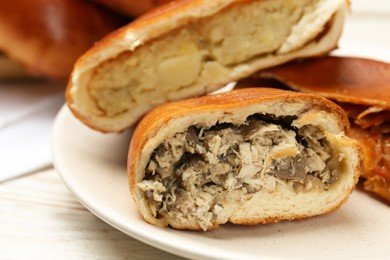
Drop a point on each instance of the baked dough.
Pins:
(362, 88)
(376, 150)
(132, 8)
(47, 36)
(190, 48)
(349, 80)
(249, 156)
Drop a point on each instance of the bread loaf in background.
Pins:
(47, 36)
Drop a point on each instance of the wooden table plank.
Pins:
(41, 219)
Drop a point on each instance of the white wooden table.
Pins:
(41, 219)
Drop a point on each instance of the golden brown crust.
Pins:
(132, 7)
(48, 36)
(344, 79)
(364, 117)
(376, 150)
(80, 116)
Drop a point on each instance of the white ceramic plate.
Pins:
(93, 166)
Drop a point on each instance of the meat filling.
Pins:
(190, 174)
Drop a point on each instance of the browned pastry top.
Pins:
(132, 7)
(345, 79)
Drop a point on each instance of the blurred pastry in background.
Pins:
(10, 70)
(132, 8)
(46, 37)
(362, 88)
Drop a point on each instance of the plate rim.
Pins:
(136, 233)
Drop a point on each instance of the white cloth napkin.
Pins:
(27, 111)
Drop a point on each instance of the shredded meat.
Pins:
(190, 173)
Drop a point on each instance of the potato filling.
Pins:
(199, 53)
(191, 174)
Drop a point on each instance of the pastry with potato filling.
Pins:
(191, 48)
